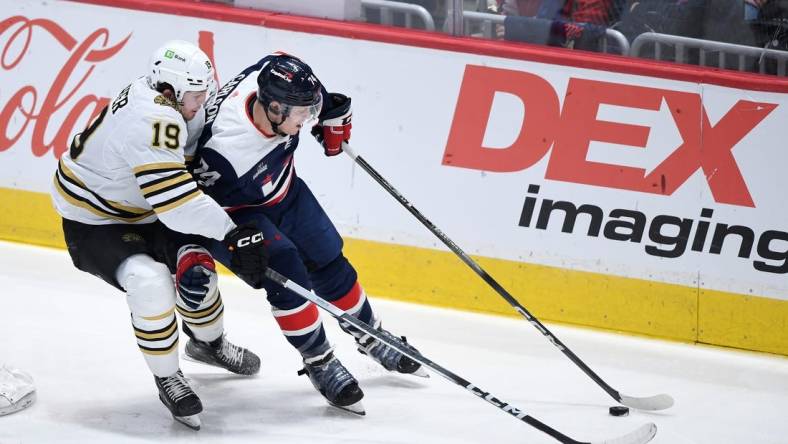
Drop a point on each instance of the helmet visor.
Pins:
(306, 116)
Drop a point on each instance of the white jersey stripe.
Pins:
(171, 204)
(279, 313)
(353, 310)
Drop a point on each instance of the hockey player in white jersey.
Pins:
(128, 204)
(245, 162)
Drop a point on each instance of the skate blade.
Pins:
(420, 372)
(191, 421)
(355, 408)
(189, 358)
(217, 365)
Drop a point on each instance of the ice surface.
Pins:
(72, 333)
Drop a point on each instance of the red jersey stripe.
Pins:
(351, 299)
(300, 320)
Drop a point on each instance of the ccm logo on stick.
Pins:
(570, 129)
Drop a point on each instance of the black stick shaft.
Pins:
(395, 343)
(485, 276)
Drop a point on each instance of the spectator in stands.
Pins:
(524, 8)
(571, 23)
(752, 9)
(597, 12)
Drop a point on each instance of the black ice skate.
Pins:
(223, 353)
(388, 357)
(179, 398)
(334, 382)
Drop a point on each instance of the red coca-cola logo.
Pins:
(27, 106)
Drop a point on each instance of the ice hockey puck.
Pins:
(618, 410)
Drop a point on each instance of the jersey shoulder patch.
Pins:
(161, 100)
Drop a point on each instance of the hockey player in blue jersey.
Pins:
(245, 162)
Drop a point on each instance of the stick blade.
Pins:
(642, 435)
(656, 402)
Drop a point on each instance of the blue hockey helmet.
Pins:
(290, 83)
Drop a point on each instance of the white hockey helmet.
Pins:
(183, 66)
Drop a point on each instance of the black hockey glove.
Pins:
(195, 275)
(334, 127)
(249, 258)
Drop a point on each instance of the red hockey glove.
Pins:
(335, 126)
(195, 274)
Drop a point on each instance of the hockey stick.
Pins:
(641, 435)
(656, 402)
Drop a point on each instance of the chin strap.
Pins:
(274, 125)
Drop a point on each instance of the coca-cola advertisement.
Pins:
(60, 64)
(46, 114)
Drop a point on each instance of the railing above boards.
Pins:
(709, 53)
(387, 8)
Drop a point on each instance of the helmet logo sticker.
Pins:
(170, 54)
(286, 76)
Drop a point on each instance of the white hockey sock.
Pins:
(150, 294)
(206, 322)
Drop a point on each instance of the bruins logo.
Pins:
(161, 100)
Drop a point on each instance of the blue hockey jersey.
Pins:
(236, 163)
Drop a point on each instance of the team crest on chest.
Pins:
(260, 170)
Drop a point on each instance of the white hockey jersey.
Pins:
(128, 167)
